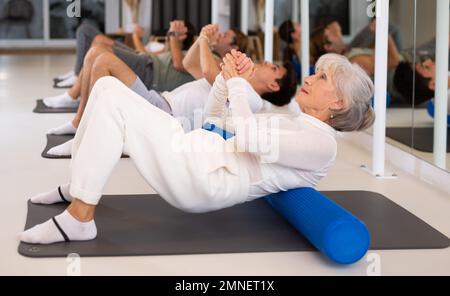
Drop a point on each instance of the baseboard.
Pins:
(405, 161)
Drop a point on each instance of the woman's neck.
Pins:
(322, 115)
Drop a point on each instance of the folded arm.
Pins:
(177, 34)
(200, 61)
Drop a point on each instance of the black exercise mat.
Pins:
(141, 225)
(423, 137)
(42, 108)
(55, 140)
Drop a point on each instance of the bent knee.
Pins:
(101, 40)
(104, 59)
(95, 51)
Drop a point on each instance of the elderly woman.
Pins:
(200, 171)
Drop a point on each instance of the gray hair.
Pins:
(355, 88)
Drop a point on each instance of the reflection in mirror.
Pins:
(431, 70)
(415, 81)
(400, 99)
(339, 26)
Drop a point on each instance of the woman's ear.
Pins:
(337, 105)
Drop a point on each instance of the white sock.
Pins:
(61, 101)
(62, 150)
(53, 196)
(65, 129)
(49, 232)
(65, 76)
(69, 82)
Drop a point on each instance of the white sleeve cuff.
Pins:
(236, 83)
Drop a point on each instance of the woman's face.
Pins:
(319, 93)
(297, 34)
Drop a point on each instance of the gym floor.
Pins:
(23, 173)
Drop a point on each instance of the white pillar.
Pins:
(244, 16)
(305, 39)
(215, 11)
(268, 38)
(294, 16)
(441, 90)
(381, 60)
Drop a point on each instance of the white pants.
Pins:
(117, 120)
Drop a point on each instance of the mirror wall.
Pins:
(426, 131)
(411, 124)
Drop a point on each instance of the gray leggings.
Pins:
(86, 33)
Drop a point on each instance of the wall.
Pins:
(402, 14)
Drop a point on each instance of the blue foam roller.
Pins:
(334, 231)
(430, 109)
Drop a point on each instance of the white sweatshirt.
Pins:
(299, 153)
